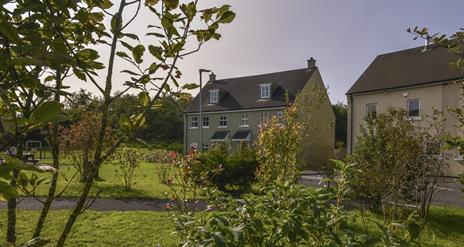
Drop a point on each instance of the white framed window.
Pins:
(194, 122)
(205, 123)
(244, 119)
(414, 108)
(205, 147)
(222, 121)
(213, 96)
(371, 109)
(265, 90)
(263, 116)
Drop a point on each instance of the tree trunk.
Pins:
(54, 143)
(11, 228)
(97, 158)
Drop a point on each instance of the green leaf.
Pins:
(132, 36)
(21, 165)
(138, 53)
(144, 99)
(227, 17)
(129, 47)
(7, 191)
(156, 51)
(79, 74)
(190, 86)
(171, 4)
(46, 112)
(159, 35)
(151, 2)
(105, 4)
(129, 72)
(116, 23)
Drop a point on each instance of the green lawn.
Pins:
(100, 228)
(147, 184)
(445, 227)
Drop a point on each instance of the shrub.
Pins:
(126, 160)
(279, 145)
(237, 169)
(395, 168)
(287, 215)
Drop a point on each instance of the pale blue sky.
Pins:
(343, 36)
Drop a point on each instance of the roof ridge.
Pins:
(433, 46)
(272, 73)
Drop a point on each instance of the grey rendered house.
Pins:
(233, 109)
(419, 80)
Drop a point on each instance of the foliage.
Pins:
(284, 215)
(279, 142)
(188, 180)
(126, 160)
(79, 140)
(8, 164)
(237, 168)
(453, 43)
(341, 116)
(395, 168)
(41, 35)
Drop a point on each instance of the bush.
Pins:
(126, 161)
(395, 168)
(237, 169)
(288, 215)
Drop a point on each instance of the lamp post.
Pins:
(201, 71)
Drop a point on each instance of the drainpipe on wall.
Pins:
(350, 125)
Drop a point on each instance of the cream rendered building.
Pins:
(419, 80)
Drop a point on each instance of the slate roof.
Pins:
(219, 135)
(405, 68)
(241, 135)
(243, 92)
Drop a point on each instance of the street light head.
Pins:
(204, 70)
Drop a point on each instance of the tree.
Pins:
(395, 168)
(454, 44)
(51, 34)
(341, 116)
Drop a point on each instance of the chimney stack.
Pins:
(311, 63)
(212, 77)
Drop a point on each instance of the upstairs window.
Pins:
(213, 96)
(223, 121)
(371, 109)
(265, 91)
(205, 123)
(414, 108)
(244, 119)
(194, 122)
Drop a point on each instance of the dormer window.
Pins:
(265, 90)
(213, 96)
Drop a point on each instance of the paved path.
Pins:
(448, 194)
(103, 204)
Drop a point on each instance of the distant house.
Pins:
(234, 108)
(419, 80)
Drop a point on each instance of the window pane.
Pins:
(371, 109)
(414, 108)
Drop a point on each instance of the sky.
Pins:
(343, 36)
